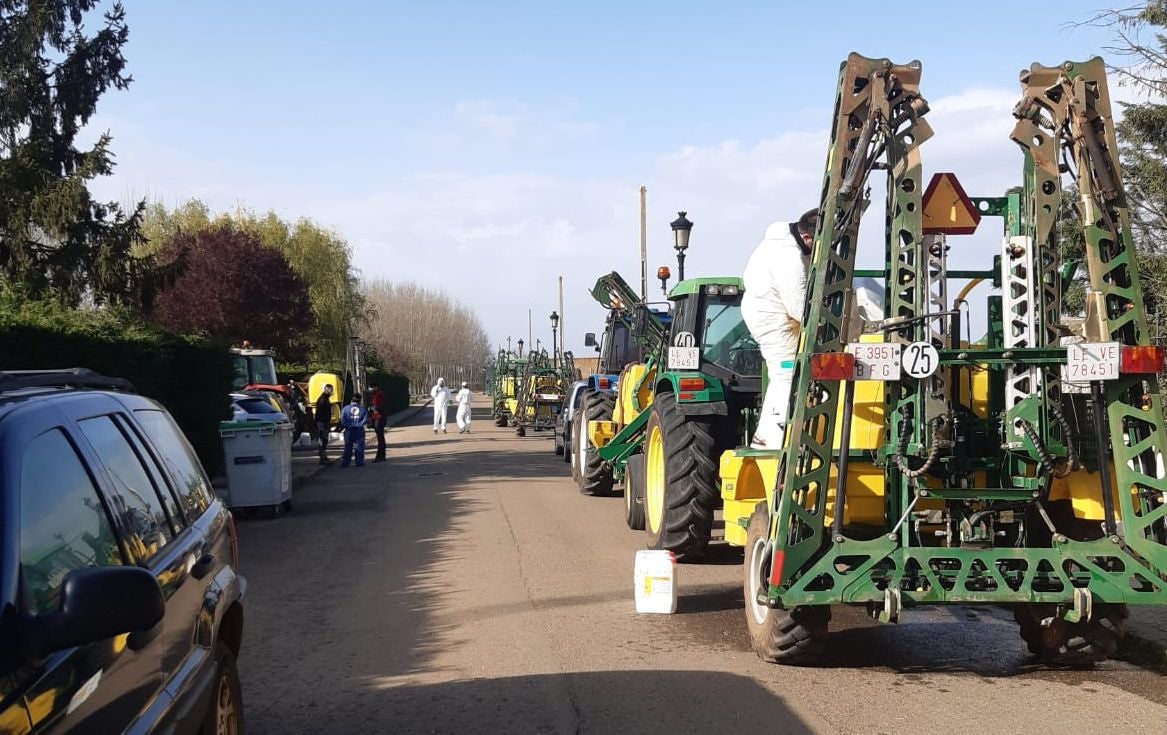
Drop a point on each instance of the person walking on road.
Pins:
(353, 419)
(322, 415)
(377, 411)
(441, 395)
(463, 415)
(772, 306)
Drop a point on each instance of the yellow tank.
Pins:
(316, 385)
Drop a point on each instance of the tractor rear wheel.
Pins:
(634, 492)
(595, 476)
(1076, 645)
(578, 429)
(792, 636)
(680, 490)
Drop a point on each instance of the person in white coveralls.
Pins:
(463, 415)
(441, 395)
(772, 306)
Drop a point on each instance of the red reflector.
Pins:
(832, 366)
(602, 383)
(685, 396)
(776, 567)
(691, 384)
(1141, 359)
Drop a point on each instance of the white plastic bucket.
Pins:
(654, 581)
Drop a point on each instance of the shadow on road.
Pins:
(641, 702)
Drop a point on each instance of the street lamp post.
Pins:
(681, 229)
(520, 348)
(554, 342)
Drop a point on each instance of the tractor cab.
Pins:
(709, 336)
(252, 367)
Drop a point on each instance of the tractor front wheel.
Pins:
(792, 636)
(680, 490)
(1061, 643)
(634, 492)
(595, 476)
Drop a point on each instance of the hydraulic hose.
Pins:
(902, 446)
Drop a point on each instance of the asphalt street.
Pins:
(466, 586)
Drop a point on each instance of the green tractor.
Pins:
(695, 396)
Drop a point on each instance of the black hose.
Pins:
(902, 446)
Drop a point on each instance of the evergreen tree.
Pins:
(55, 239)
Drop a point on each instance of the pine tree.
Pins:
(55, 239)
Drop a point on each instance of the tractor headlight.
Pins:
(713, 290)
(729, 290)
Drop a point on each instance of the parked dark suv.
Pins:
(120, 601)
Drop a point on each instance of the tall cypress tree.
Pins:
(55, 239)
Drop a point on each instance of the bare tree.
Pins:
(424, 334)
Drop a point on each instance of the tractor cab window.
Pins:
(239, 375)
(262, 369)
(725, 340)
(622, 348)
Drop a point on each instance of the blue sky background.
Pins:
(487, 148)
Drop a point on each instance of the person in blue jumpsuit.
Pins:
(352, 420)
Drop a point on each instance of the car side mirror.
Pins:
(97, 603)
(590, 339)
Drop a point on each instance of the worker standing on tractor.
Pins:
(772, 306)
(352, 420)
(463, 415)
(441, 395)
(377, 409)
(322, 413)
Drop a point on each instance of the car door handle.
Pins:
(203, 566)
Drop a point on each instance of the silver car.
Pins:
(563, 422)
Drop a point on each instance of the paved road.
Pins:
(467, 587)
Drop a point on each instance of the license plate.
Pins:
(876, 361)
(684, 358)
(1090, 361)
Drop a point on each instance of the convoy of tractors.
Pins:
(945, 451)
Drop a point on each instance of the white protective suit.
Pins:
(463, 415)
(441, 395)
(775, 284)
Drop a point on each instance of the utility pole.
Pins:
(643, 244)
(562, 331)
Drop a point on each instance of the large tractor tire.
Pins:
(1075, 645)
(595, 476)
(794, 636)
(634, 492)
(680, 490)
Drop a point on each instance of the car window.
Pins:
(194, 490)
(134, 498)
(63, 524)
(256, 405)
(157, 476)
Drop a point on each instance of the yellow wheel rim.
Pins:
(654, 486)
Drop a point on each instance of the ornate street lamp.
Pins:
(681, 229)
(554, 343)
(520, 348)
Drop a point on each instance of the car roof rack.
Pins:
(66, 378)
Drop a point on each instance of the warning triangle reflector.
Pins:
(947, 209)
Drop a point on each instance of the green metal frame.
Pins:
(878, 115)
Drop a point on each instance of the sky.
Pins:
(488, 148)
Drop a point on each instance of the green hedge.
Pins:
(190, 376)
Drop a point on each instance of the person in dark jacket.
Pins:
(377, 414)
(322, 414)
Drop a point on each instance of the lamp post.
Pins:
(554, 342)
(681, 228)
(520, 348)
